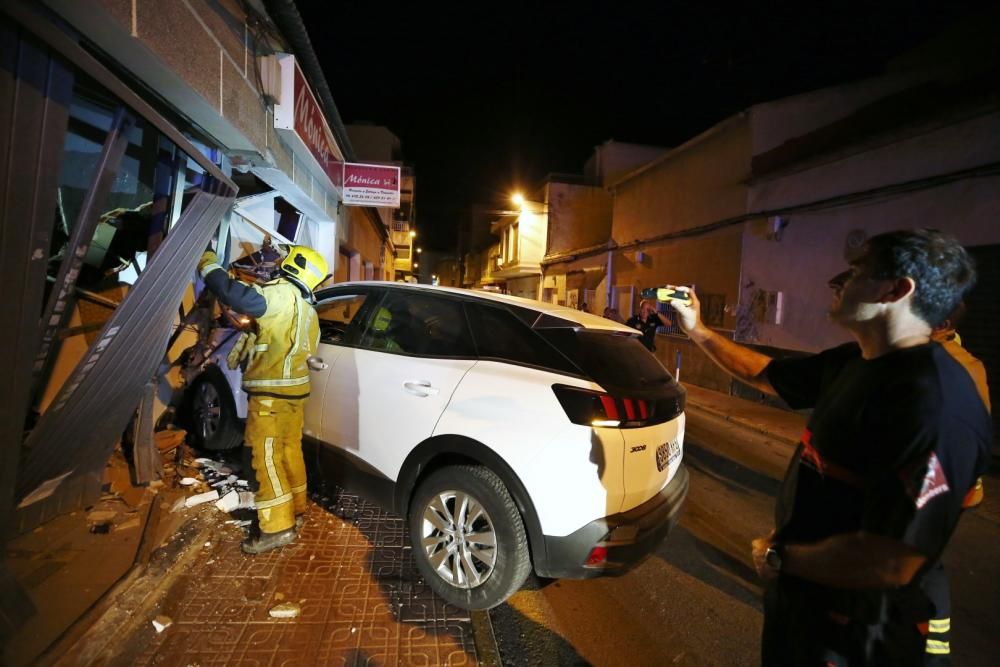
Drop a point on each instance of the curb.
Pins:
(742, 422)
(486, 642)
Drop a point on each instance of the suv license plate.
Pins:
(666, 453)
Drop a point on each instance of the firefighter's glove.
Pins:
(317, 364)
(243, 350)
(209, 262)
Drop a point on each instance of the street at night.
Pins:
(392, 334)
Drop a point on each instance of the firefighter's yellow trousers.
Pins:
(274, 431)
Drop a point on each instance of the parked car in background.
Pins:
(513, 435)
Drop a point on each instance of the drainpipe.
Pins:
(607, 303)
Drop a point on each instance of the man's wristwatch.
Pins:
(774, 555)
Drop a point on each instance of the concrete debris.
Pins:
(200, 498)
(285, 610)
(161, 623)
(242, 524)
(179, 505)
(100, 516)
(236, 500)
(226, 481)
(221, 468)
(188, 481)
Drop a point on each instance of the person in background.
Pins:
(278, 358)
(875, 489)
(646, 321)
(612, 314)
(935, 583)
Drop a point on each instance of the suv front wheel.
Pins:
(468, 538)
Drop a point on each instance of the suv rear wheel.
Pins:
(468, 538)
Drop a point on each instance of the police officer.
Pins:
(896, 438)
(278, 357)
(647, 321)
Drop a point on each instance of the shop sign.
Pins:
(304, 125)
(371, 185)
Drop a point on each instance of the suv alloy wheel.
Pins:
(468, 536)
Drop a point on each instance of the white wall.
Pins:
(811, 250)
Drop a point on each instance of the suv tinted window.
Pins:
(413, 323)
(501, 334)
(611, 360)
(338, 314)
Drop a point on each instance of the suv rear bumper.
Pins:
(629, 536)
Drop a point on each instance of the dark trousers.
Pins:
(800, 630)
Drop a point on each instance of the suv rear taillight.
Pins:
(595, 408)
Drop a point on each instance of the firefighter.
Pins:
(875, 489)
(277, 357)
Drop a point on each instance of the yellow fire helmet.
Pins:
(305, 267)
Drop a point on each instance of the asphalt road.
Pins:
(696, 600)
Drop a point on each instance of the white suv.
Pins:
(510, 433)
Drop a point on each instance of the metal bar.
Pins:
(145, 455)
(59, 308)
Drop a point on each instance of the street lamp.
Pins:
(419, 250)
(518, 199)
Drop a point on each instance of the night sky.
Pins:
(488, 98)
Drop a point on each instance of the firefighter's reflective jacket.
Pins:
(287, 330)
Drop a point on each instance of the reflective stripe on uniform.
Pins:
(260, 348)
(291, 382)
(267, 504)
(272, 473)
(938, 648)
(939, 625)
(300, 488)
(208, 268)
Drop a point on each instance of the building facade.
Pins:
(148, 129)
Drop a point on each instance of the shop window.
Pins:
(145, 197)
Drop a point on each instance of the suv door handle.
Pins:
(420, 388)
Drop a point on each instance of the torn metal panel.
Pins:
(97, 401)
(59, 308)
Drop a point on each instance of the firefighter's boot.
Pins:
(268, 541)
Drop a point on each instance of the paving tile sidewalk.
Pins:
(351, 573)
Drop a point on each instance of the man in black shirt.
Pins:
(897, 437)
(647, 321)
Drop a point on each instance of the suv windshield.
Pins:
(610, 359)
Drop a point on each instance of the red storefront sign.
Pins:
(371, 185)
(312, 128)
(300, 121)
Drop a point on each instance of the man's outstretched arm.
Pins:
(741, 362)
